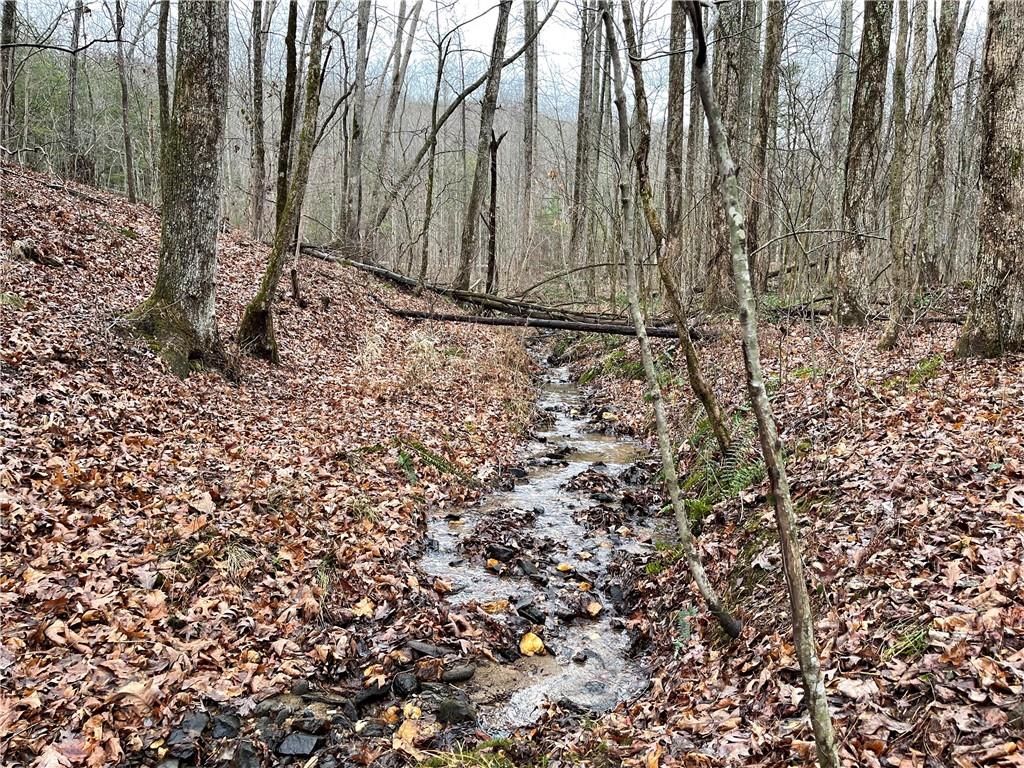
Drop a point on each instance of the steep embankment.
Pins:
(908, 472)
(168, 541)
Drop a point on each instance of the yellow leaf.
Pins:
(493, 564)
(594, 607)
(585, 586)
(405, 738)
(563, 567)
(364, 608)
(531, 645)
(411, 712)
(391, 715)
(585, 555)
(496, 606)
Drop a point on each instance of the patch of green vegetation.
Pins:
(717, 478)
(128, 233)
(909, 642)
(808, 372)
(406, 463)
(12, 300)
(488, 754)
(926, 369)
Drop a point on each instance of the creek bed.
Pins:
(588, 665)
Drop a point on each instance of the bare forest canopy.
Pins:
(556, 191)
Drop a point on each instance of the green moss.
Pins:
(12, 300)
(909, 642)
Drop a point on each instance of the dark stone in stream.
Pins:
(373, 693)
(312, 721)
(181, 742)
(603, 497)
(531, 571)
(426, 649)
(518, 472)
(405, 684)
(300, 744)
(246, 755)
(226, 726)
(500, 552)
(459, 674)
(580, 657)
(532, 613)
(456, 709)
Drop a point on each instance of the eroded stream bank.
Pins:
(541, 556)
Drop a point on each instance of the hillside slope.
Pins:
(167, 541)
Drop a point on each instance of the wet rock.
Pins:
(373, 693)
(301, 688)
(182, 741)
(170, 762)
(456, 709)
(287, 702)
(246, 755)
(313, 720)
(532, 572)
(617, 624)
(580, 657)
(299, 744)
(603, 497)
(459, 674)
(405, 684)
(517, 472)
(530, 611)
(226, 726)
(426, 649)
(500, 552)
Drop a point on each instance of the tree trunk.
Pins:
(675, 134)
(122, 75)
(529, 125)
(71, 140)
(728, 90)
(161, 73)
(8, 36)
(668, 458)
(897, 215)
(428, 206)
(701, 389)
(581, 176)
(771, 444)
(258, 157)
(487, 108)
(995, 320)
(933, 203)
(256, 331)
(766, 108)
(862, 161)
(180, 313)
(492, 219)
(355, 178)
(839, 117)
(284, 147)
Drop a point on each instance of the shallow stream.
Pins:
(587, 666)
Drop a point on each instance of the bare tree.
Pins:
(862, 160)
(492, 218)
(8, 35)
(771, 444)
(180, 313)
(529, 121)
(258, 155)
(355, 175)
(668, 457)
(284, 144)
(995, 321)
(581, 173)
(122, 76)
(256, 331)
(71, 140)
(468, 244)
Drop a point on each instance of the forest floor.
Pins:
(201, 571)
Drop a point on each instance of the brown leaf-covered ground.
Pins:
(167, 541)
(908, 471)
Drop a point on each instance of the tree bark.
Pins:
(771, 444)
(8, 35)
(492, 219)
(995, 320)
(355, 178)
(468, 244)
(122, 75)
(839, 117)
(862, 161)
(675, 136)
(71, 140)
(581, 169)
(284, 147)
(428, 206)
(931, 234)
(529, 123)
(258, 156)
(766, 109)
(668, 458)
(256, 334)
(161, 68)
(180, 313)
(897, 216)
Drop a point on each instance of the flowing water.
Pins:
(588, 665)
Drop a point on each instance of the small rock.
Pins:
(580, 657)
(194, 723)
(531, 612)
(312, 721)
(170, 762)
(301, 744)
(458, 674)
(500, 552)
(246, 756)
(405, 684)
(226, 726)
(456, 710)
(301, 688)
(426, 649)
(518, 472)
(181, 744)
(286, 701)
(373, 693)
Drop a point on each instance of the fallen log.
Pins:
(482, 300)
(661, 332)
